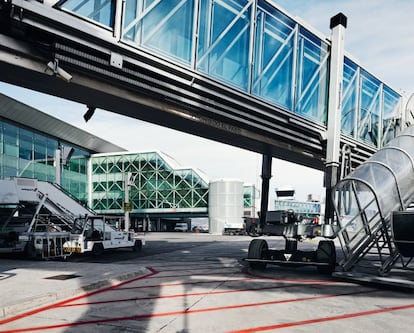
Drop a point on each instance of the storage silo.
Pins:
(225, 205)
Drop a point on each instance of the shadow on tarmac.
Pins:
(174, 255)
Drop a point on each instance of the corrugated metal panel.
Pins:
(27, 116)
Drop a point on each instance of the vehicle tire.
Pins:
(326, 254)
(252, 232)
(29, 250)
(97, 249)
(137, 246)
(257, 250)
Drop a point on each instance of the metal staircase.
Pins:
(36, 217)
(365, 200)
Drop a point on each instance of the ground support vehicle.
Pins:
(36, 217)
(46, 245)
(294, 229)
(183, 227)
(94, 234)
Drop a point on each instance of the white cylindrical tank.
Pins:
(225, 205)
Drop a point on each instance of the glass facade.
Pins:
(249, 196)
(299, 207)
(252, 46)
(25, 153)
(158, 186)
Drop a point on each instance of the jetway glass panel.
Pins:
(101, 11)
(312, 77)
(252, 46)
(350, 97)
(166, 27)
(391, 112)
(370, 109)
(273, 68)
(224, 40)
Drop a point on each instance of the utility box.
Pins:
(403, 232)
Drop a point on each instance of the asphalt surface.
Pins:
(26, 284)
(209, 268)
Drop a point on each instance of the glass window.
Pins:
(25, 144)
(391, 108)
(312, 77)
(274, 58)
(224, 35)
(10, 139)
(163, 26)
(10, 133)
(100, 11)
(40, 144)
(370, 109)
(349, 97)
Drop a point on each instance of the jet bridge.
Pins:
(371, 207)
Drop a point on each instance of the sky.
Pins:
(380, 35)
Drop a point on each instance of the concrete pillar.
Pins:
(338, 26)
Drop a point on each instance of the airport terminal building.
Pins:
(162, 194)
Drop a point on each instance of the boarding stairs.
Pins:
(41, 219)
(367, 199)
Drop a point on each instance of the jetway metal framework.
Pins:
(240, 72)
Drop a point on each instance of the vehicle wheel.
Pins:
(252, 232)
(29, 250)
(137, 246)
(257, 250)
(97, 249)
(326, 254)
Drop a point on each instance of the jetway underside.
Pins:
(199, 111)
(83, 68)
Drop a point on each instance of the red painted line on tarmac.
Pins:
(48, 307)
(184, 264)
(322, 282)
(187, 312)
(180, 295)
(199, 274)
(173, 284)
(289, 280)
(198, 268)
(325, 319)
(180, 284)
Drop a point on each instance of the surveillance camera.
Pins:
(59, 71)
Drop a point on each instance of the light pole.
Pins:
(129, 180)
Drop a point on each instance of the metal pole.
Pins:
(126, 200)
(266, 175)
(58, 174)
(338, 25)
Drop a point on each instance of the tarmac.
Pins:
(26, 285)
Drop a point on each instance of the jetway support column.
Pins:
(266, 175)
(338, 24)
